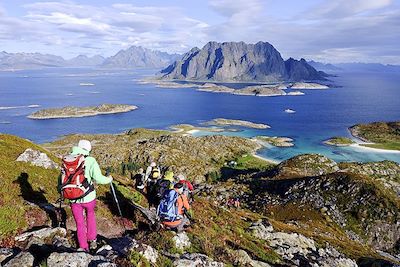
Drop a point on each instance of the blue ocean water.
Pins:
(320, 114)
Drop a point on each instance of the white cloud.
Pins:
(345, 8)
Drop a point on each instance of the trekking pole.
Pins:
(114, 194)
(115, 199)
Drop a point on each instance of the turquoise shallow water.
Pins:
(320, 114)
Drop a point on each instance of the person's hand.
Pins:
(109, 176)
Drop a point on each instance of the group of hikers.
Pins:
(79, 172)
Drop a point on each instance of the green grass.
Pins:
(338, 140)
(249, 161)
(386, 135)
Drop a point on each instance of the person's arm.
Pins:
(189, 185)
(148, 171)
(185, 202)
(95, 173)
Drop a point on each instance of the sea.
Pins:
(357, 97)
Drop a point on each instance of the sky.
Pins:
(329, 31)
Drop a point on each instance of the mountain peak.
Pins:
(239, 62)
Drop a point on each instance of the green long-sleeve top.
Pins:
(92, 173)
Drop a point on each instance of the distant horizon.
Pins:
(334, 31)
(105, 57)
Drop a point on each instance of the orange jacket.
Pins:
(182, 203)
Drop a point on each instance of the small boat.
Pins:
(288, 110)
(86, 84)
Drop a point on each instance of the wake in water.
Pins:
(16, 107)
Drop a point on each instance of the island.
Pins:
(78, 112)
(261, 90)
(304, 85)
(228, 122)
(339, 141)
(381, 135)
(276, 141)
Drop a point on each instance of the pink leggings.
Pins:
(85, 230)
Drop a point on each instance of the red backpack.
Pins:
(74, 184)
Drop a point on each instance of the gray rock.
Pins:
(42, 234)
(5, 253)
(23, 259)
(77, 259)
(196, 260)
(243, 259)
(182, 241)
(291, 245)
(148, 252)
(37, 158)
(238, 61)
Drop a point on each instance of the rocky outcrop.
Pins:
(243, 259)
(23, 259)
(298, 249)
(77, 259)
(182, 241)
(231, 61)
(305, 165)
(37, 158)
(196, 260)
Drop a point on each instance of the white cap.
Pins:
(153, 164)
(85, 144)
(181, 177)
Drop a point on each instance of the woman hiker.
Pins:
(79, 166)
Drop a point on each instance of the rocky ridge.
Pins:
(239, 62)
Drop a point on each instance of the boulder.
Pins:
(243, 259)
(43, 234)
(182, 241)
(196, 260)
(5, 253)
(23, 259)
(148, 252)
(77, 259)
(37, 158)
(298, 249)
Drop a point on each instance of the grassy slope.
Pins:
(13, 208)
(15, 213)
(339, 141)
(386, 135)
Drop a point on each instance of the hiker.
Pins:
(162, 186)
(187, 187)
(153, 172)
(79, 171)
(172, 209)
(140, 179)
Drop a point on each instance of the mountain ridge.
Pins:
(238, 61)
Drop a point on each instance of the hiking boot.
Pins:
(93, 245)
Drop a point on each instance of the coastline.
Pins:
(372, 149)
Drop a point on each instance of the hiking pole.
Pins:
(114, 194)
(115, 199)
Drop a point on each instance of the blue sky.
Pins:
(324, 30)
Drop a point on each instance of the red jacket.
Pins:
(187, 183)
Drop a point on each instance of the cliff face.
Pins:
(238, 61)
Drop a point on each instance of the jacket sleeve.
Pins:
(95, 173)
(185, 202)
(189, 185)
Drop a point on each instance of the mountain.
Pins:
(368, 67)
(238, 61)
(139, 57)
(85, 61)
(29, 61)
(323, 67)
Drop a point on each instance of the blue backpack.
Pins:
(168, 208)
